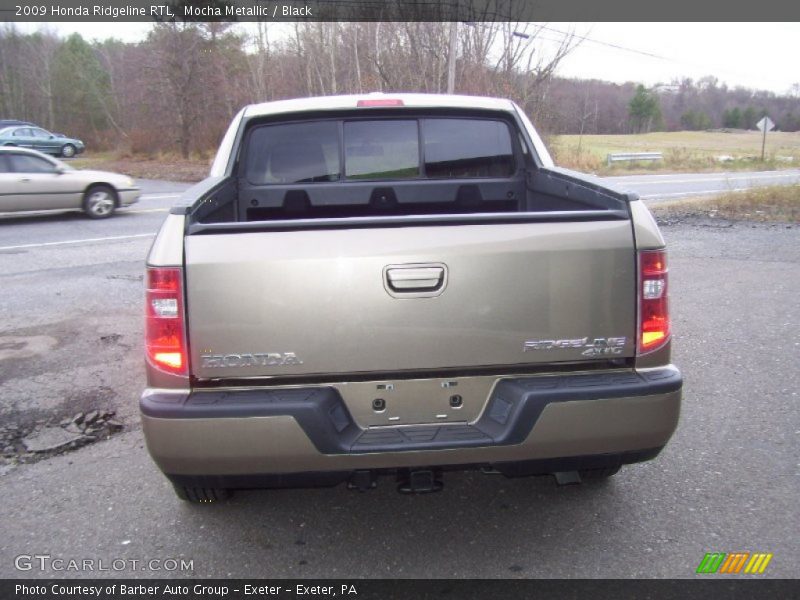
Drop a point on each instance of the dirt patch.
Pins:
(20, 347)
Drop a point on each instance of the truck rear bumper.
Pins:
(545, 422)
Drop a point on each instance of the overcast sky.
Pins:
(754, 55)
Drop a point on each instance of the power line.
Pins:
(609, 44)
(675, 61)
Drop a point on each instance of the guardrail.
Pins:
(625, 156)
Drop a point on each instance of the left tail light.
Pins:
(654, 321)
(165, 337)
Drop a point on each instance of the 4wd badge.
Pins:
(589, 346)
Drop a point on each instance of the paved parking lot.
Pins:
(727, 482)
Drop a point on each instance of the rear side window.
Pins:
(294, 153)
(467, 148)
(379, 149)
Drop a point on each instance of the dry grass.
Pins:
(765, 204)
(695, 151)
(161, 166)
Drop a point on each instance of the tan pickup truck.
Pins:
(401, 285)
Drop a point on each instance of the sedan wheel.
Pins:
(68, 151)
(99, 202)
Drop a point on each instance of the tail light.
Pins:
(654, 325)
(165, 338)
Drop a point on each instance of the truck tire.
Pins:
(199, 495)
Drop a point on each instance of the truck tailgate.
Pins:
(383, 300)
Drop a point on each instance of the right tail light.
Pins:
(654, 323)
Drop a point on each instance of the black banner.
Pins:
(505, 589)
(397, 10)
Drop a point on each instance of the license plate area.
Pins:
(416, 401)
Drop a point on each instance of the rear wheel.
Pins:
(599, 474)
(99, 201)
(68, 151)
(200, 495)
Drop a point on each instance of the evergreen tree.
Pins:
(732, 118)
(644, 110)
(82, 87)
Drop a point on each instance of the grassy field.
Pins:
(774, 203)
(685, 151)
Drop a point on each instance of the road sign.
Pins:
(765, 125)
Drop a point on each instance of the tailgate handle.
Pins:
(416, 280)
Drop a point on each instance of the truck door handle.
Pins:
(415, 280)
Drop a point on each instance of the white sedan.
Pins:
(32, 181)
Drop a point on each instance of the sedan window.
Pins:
(23, 132)
(40, 133)
(4, 166)
(23, 163)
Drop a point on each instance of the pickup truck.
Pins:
(401, 285)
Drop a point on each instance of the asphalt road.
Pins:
(728, 481)
(656, 188)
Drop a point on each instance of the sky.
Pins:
(753, 55)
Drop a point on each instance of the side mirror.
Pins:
(59, 170)
(52, 137)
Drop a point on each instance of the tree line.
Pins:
(176, 90)
(592, 106)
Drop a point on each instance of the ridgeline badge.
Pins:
(588, 346)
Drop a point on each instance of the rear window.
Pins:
(385, 149)
(467, 148)
(381, 149)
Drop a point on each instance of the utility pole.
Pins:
(451, 58)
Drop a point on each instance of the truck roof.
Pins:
(351, 101)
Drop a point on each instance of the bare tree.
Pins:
(41, 49)
(176, 65)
